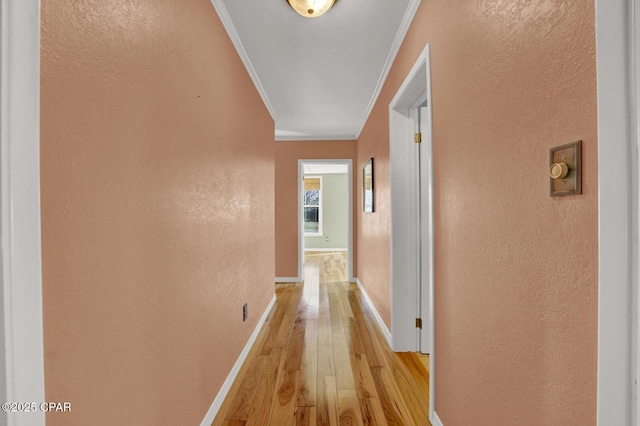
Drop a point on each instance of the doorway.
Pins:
(325, 206)
(412, 243)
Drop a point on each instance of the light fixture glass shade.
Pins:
(311, 8)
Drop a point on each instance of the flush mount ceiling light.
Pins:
(311, 8)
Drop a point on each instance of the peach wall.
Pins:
(287, 156)
(157, 209)
(516, 270)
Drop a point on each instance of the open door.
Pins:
(411, 183)
(425, 224)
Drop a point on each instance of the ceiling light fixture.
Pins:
(311, 8)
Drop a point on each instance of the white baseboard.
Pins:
(288, 280)
(325, 249)
(379, 320)
(435, 420)
(226, 386)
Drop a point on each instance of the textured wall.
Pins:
(287, 156)
(516, 270)
(157, 209)
(335, 213)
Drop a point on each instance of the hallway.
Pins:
(150, 197)
(320, 359)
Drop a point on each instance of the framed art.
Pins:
(367, 187)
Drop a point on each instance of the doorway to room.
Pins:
(412, 234)
(325, 209)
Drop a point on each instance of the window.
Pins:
(312, 205)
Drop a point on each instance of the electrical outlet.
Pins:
(244, 312)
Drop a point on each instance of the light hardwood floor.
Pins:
(321, 359)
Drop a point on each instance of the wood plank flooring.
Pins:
(320, 359)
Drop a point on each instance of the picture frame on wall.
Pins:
(367, 187)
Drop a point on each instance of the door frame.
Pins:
(634, 38)
(406, 232)
(22, 354)
(617, 160)
(344, 161)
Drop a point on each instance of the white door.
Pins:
(411, 236)
(424, 207)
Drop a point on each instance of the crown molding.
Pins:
(227, 22)
(318, 137)
(409, 13)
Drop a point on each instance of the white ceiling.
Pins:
(320, 77)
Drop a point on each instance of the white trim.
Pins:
(300, 221)
(634, 64)
(319, 137)
(226, 386)
(22, 343)
(614, 372)
(288, 280)
(228, 24)
(349, 163)
(376, 315)
(428, 236)
(409, 14)
(435, 420)
(326, 249)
